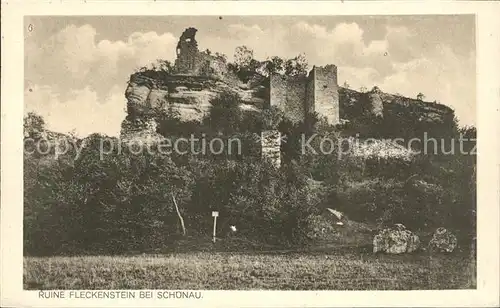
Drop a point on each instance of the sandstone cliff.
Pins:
(149, 92)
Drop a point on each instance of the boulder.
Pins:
(396, 240)
(443, 241)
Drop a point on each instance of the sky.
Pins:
(77, 67)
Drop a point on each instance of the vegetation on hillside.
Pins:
(124, 201)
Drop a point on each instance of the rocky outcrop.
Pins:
(396, 240)
(190, 95)
(353, 104)
(149, 93)
(443, 241)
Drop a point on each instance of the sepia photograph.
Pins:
(249, 153)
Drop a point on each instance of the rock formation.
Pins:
(443, 241)
(396, 240)
(351, 105)
(198, 77)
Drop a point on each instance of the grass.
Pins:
(252, 271)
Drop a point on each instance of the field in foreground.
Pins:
(234, 271)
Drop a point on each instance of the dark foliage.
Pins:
(122, 201)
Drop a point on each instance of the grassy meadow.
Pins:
(252, 271)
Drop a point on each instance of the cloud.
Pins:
(77, 82)
(442, 76)
(264, 42)
(81, 110)
(73, 58)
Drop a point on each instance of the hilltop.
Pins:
(198, 77)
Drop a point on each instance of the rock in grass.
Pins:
(443, 241)
(396, 240)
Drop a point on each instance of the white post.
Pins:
(214, 214)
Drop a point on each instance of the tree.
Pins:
(296, 66)
(181, 220)
(33, 124)
(141, 69)
(154, 66)
(225, 115)
(164, 66)
(243, 56)
(274, 65)
(420, 96)
(346, 85)
(271, 118)
(221, 57)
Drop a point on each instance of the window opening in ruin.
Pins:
(188, 40)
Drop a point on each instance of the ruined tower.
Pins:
(187, 52)
(271, 146)
(190, 61)
(288, 93)
(322, 94)
(299, 96)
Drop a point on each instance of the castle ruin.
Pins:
(190, 61)
(300, 96)
(199, 76)
(297, 96)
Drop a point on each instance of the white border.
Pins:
(488, 98)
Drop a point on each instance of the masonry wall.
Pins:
(326, 95)
(271, 146)
(310, 96)
(187, 58)
(192, 62)
(288, 93)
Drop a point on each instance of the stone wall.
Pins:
(310, 95)
(187, 61)
(271, 146)
(288, 93)
(299, 96)
(190, 61)
(326, 96)
(376, 104)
